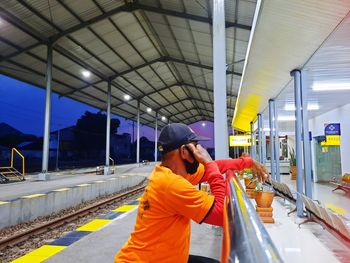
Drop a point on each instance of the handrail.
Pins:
(249, 240)
(13, 150)
(110, 158)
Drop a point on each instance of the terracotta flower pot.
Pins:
(249, 184)
(293, 170)
(264, 199)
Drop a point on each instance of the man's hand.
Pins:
(199, 153)
(259, 171)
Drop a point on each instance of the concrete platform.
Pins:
(25, 201)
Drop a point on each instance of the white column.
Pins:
(219, 76)
(108, 130)
(45, 160)
(138, 134)
(156, 138)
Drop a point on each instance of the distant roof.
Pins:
(157, 51)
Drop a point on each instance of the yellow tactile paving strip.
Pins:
(61, 190)
(40, 254)
(82, 185)
(33, 196)
(94, 225)
(335, 209)
(124, 208)
(2, 203)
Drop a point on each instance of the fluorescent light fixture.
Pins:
(203, 124)
(310, 106)
(286, 118)
(163, 118)
(86, 73)
(267, 129)
(149, 110)
(330, 86)
(127, 97)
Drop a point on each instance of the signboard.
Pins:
(240, 140)
(331, 140)
(332, 129)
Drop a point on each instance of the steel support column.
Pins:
(252, 140)
(272, 148)
(45, 160)
(156, 138)
(263, 144)
(260, 140)
(138, 134)
(108, 129)
(277, 143)
(219, 75)
(306, 142)
(298, 146)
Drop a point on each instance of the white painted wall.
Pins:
(339, 115)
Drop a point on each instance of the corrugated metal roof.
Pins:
(157, 51)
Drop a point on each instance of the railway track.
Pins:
(21, 237)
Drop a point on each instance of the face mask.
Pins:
(191, 168)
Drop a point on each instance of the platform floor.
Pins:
(337, 201)
(63, 179)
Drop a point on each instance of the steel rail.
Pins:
(21, 237)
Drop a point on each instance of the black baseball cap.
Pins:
(174, 135)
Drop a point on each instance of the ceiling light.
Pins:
(149, 110)
(286, 118)
(310, 106)
(163, 118)
(331, 86)
(127, 97)
(203, 124)
(86, 73)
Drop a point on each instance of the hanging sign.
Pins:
(240, 140)
(332, 129)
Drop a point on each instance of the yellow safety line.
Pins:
(94, 225)
(335, 209)
(124, 208)
(100, 181)
(40, 254)
(82, 185)
(33, 196)
(2, 203)
(61, 190)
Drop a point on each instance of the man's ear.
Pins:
(183, 152)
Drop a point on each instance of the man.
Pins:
(170, 200)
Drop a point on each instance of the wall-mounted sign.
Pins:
(332, 129)
(240, 140)
(331, 140)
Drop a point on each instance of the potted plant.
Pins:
(249, 181)
(263, 195)
(293, 163)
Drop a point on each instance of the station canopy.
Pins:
(159, 52)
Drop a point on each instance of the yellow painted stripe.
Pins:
(33, 196)
(82, 185)
(124, 208)
(94, 225)
(336, 209)
(100, 181)
(40, 254)
(2, 203)
(61, 190)
(138, 199)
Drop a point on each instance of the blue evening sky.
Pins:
(22, 106)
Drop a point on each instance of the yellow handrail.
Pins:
(13, 150)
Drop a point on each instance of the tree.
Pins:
(91, 133)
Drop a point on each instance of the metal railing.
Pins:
(13, 151)
(247, 238)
